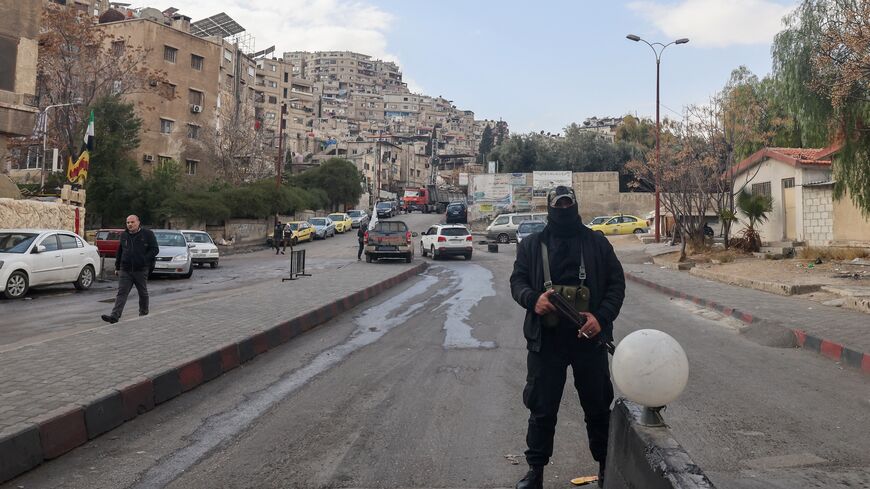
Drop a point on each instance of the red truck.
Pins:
(430, 198)
(416, 199)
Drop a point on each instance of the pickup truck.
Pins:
(388, 239)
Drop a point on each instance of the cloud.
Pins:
(716, 23)
(304, 25)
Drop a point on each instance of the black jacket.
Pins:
(605, 280)
(136, 251)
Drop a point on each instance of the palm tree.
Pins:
(756, 207)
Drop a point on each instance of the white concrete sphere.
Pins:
(650, 368)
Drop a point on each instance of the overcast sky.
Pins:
(539, 65)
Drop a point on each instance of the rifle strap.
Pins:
(548, 282)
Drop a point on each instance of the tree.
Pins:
(487, 141)
(238, 149)
(113, 180)
(755, 207)
(339, 178)
(78, 62)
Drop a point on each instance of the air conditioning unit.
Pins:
(148, 158)
(196, 109)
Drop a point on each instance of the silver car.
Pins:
(358, 217)
(528, 227)
(323, 227)
(174, 257)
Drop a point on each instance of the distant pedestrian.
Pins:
(278, 238)
(133, 262)
(361, 237)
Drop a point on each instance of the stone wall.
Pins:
(39, 215)
(818, 207)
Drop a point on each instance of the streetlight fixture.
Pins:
(76, 101)
(657, 49)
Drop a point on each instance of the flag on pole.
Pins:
(77, 172)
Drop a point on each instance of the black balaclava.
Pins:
(563, 222)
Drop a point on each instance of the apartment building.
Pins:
(211, 85)
(19, 39)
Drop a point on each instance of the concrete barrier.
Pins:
(641, 456)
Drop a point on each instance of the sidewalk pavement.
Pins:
(842, 335)
(58, 394)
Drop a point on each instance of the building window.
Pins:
(762, 188)
(273, 67)
(273, 84)
(118, 48)
(166, 126)
(192, 131)
(196, 62)
(788, 182)
(163, 160)
(251, 71)
(170, 90)
(228, 55)
(191, 167)
(169, 54)
(229, 82)
(195, 97)
(286, 77)
(285, 93)
(273, 99)
(270, 115)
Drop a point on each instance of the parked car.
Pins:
(388, 239)
(598, 220)
(203, 250)
(323, 227)
(174, 257)
(457, 212)
(528, 227)
(357, 217)
(35, 257)
(504, 227)
(443, 240)
(299, 231)
(343, 222)
(622, 224)
(385, 209)
(107, 241)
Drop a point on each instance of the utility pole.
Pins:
(279, 162)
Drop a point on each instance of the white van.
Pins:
(504, 227)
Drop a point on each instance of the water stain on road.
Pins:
(372, 324)
(472, 284)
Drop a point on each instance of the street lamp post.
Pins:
(657, 48)
(44, 138)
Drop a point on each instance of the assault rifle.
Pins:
(566, 310)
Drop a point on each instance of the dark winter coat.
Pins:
(136, 251)
(604, 274)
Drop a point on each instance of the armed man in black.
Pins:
(568, 258)
(133, 262)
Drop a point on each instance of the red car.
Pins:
(107, 241)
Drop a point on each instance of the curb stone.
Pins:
(50, 435)
(832, 350)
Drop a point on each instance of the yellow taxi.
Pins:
(298, 231)
(621, 224)
(342, 221)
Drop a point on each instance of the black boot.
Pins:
(601, 475)
(534, 478)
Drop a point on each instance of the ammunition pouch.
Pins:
(577, 295)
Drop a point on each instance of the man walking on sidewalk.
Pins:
(360, 236)
(568, 258)
(278, 238)
(133, 262)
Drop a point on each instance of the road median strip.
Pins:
(830, 349)
(46, 436)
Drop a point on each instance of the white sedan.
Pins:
(34, 257)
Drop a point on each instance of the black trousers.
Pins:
(126, 281)
(545, 382)
(360, 250)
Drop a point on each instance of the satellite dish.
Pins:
(152, 13)
(650, 368)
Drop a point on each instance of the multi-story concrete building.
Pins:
(19, 40)
(211, 86)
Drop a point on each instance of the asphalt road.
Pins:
(421, 388)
